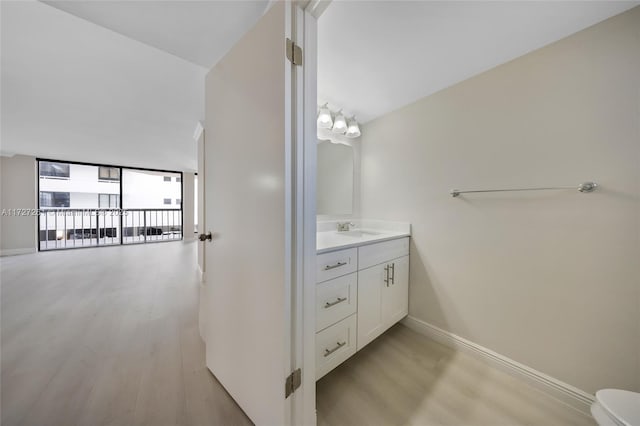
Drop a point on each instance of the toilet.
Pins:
(615, 407)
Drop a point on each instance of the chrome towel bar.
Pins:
(583, 187)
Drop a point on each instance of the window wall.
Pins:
(84, 205)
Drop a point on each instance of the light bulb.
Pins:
(353, 130)
(340, 123)
(324, 118)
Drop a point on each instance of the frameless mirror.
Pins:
(335, 179)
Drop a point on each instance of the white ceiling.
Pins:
(197, 31)
(128, 91)
(377, 56)
(72, 90)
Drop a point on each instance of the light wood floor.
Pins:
(107, 336)
(403, 378)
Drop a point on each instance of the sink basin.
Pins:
(357, 233)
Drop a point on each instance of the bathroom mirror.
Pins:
(335, 179)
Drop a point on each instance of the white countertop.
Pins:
(372, 232)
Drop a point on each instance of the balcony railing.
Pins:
(74, 228)
(149, 225)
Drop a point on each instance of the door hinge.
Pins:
(292, 383)
(294, 53)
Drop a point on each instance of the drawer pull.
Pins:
(338, 300)
(386, 280)
(337, 265)
(393, 273)
(328, 352)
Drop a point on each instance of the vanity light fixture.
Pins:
(324, 117)
(353, 130)
(340, 123)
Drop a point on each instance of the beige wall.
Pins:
(549, 279)
(18, 191)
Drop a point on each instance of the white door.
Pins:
(248, 263)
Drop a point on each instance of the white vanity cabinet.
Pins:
(361, 292)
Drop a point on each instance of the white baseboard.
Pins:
(559, 390)
(14, 252)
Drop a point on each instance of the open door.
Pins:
(250, 169)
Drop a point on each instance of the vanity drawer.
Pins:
(336, 263)
(375, 254)
(334, 345)
(336, 299)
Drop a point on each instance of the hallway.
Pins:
(107, 336)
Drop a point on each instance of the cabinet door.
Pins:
(370, 319)
(395, 295)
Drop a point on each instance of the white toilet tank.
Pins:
(615, 407)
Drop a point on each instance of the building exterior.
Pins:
(106, 205)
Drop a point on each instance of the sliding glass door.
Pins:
(88, 205)
(153, 201)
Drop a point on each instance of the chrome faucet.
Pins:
(345, 226)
